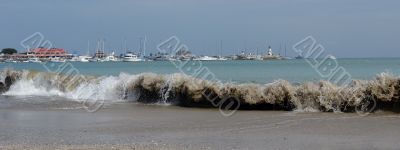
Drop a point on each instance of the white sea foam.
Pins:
(184, 90)
(30, 87)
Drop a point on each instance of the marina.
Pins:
(38, 55)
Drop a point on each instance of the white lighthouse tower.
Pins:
(269, 51)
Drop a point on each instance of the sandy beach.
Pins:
(139, 126)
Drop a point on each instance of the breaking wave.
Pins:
(179, 89)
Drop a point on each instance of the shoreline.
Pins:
(126, 125)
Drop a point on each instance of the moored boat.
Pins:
(130, 57)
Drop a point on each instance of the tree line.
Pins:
(8, 51)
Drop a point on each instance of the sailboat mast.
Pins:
(98, 46)
(103, 46)
(126, 46)
(144, 46)
(285, 49)
(245, 46)
(220, 48)
(140, 45)
(88, 48)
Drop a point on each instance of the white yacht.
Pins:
(34, 59)
(87, 57)
(84, 58)
(130, 57)
(10, 61)
(57, 59)
(206, 58)
(221, 58)
(73, 59)
(96, 60)
(110, 57)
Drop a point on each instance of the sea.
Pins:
(295, 84)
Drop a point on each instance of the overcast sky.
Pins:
(346, 28)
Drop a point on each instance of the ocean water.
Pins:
(234, 71)
(272, 85)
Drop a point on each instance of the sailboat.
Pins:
(143, 56)
(220, 57)
(111, 57)
(99, 55)
(286, 57)
(85, 58)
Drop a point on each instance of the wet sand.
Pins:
(136, 126)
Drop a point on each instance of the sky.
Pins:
(346, 28)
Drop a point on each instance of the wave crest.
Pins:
(183, 90)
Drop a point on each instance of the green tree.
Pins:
(9, 51)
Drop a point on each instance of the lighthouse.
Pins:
(269, 51)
